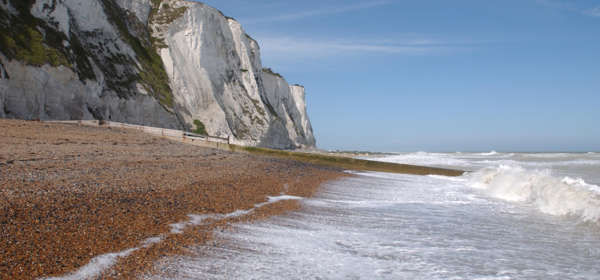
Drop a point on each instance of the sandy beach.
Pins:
(71, 193)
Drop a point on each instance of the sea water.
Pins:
(514, 216)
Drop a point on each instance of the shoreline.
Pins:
(69, 194)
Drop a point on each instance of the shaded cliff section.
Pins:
(79, 59)
(172, 64)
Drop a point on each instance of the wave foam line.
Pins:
(196, 220)
(101, 263)
(95, 266)
(551, 195)
(491, 153)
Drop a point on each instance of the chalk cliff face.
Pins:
(173, 64)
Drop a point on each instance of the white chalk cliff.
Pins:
(173, 64)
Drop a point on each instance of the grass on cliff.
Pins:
(351, 163)
(31, 40)
(163, 15)
(21, 39)
(28, 46)
(152, 73)
(200, 128)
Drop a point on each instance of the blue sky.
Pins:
(423, 75)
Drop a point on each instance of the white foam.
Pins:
(551, 195)
(491, 153)
(542, 163)
(579, 182)
(476, 161)
(396, 227)
(547, 155)
(196, 220)
(448, 178)
(273, 199)
(424, 158)
(151, 241)
(380, 203)
(380, 175)
(96, 266)
(103, 262)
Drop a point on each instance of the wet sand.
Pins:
(71, 193)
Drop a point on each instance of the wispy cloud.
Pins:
(319, 12)
(300, 48)
(557, 4)
(595, 12)
(570, 6)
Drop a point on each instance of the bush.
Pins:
(200, 128)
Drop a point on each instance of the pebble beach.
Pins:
(70, 193)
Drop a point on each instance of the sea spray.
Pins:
(491, 153)
(392, 226)
(550, 194)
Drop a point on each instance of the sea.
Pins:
(512, 216)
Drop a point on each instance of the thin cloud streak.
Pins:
(595, 12)
(314, 48)
(556, 4)
(319, 12)
(569, 6)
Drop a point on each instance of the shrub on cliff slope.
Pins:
(200, 128)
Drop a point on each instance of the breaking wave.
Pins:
(552, 195)
(543, 163)
(424, 158)
(492, 153)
